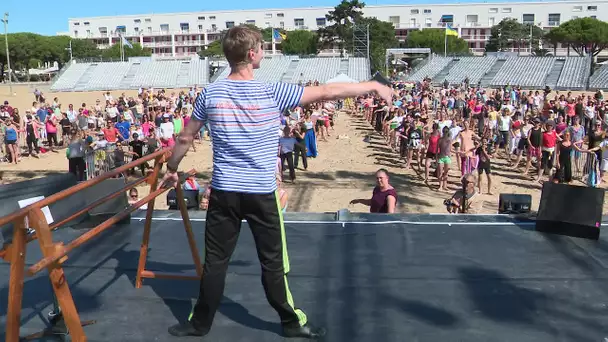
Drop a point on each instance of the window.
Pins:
(137, 21)
(164, 27)
(472, 19)
(86, 23)
(493, 10)
(200, 27)
(76, 24)
(229, 24)
(201, 18)
(184, 26)
(428, 22)
(321, 21)
(75, 33)
(267, 24)
(282, 24)
(149, 29)
(591, 8)
(414, 11)
(593, 16)
(136, 29)
(506, 10)
(211, 17)
(554, 19)
(491, 21)
(148, 20)
(88, 33)
(528, 19)
(575, 17)
(213, 27)
(298, 22)
(577, 9)
(250, 22)
(427, 11)
(394, 19)
(268, 15)
(280, 15)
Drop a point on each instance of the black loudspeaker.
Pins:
(570, 210)
(190, 196)
(514, 203)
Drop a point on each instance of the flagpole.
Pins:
(445, 43)
(274, 44)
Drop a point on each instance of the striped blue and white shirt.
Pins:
(244, 117)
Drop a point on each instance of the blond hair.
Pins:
(237, 42)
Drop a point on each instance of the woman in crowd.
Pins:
(32, 129)
(384, 196)
(432, 143)
(310, 138)
(10, 140)
(75, 154)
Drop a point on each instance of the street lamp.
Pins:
(8, 60)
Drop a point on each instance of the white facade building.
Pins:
(181, 34)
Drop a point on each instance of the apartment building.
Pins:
(183, 34)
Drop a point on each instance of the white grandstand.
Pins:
(138, 73)
(133, 74)
(528, 72)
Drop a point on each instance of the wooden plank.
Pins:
(145, 241)
(57, 276)
(188, 226)
(166, 275)
(16, 279)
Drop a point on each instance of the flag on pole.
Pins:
(126, 42)
(278, 36)
(450, 31)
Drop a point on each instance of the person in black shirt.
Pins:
(66, 127)
(137, 148)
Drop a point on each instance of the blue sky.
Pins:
(57, 13)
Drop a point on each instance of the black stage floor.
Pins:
(411, 278)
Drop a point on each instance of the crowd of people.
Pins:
(462, 129)
(545, 135)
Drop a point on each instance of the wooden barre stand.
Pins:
(56, 253)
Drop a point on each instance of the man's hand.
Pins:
(170, 180)
(386, 93)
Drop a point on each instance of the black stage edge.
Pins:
(390, 278)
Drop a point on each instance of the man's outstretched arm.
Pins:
(335, 91)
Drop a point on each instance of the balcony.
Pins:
(481, 38)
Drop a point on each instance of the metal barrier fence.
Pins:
(102, 160)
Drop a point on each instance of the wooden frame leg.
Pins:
(143, 251)
(16, 279)
(57, 276)
(188, 226)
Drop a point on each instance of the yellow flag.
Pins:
(451, 32)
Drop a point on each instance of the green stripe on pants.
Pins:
(301, 315)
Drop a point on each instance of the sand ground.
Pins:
(343, 171)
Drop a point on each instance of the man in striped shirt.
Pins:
(243, 115)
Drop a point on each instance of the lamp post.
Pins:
(8, 60)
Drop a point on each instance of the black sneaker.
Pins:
(307, 331)
(186, 329)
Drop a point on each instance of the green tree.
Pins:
(510, 33)
(300, 42)
(586, 36)
(342, 18)
(82, 48)
(434, 39)
(137, 51)
(214, 49)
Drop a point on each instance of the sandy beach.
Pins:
(343, 171)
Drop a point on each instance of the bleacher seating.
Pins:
(149, 73)
(599, 79)
(273, 69)
(575, 73)
(430, 69)
(472, 67)
(70, 77)
(527, 72)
